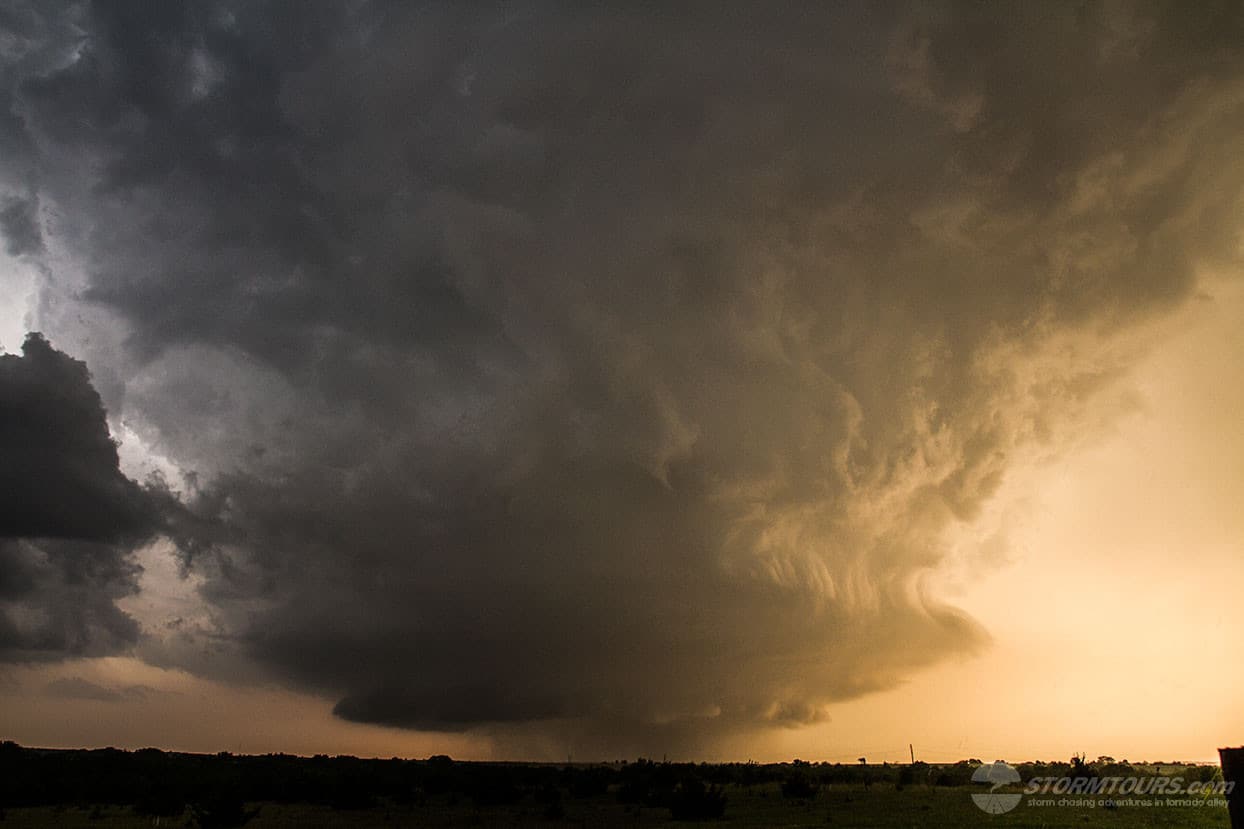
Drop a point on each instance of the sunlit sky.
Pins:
(832, 387)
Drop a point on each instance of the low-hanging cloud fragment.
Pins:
(77, 688)
(19, 225)
(601, 371)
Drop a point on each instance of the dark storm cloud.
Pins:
(19, 223)
(58, 599)
(61, 477)
(68, 517)
(608, 370)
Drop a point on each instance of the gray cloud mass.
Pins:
(586, 370)
(69, 519)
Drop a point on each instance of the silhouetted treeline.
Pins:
(215, 788)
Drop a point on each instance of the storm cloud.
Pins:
(69, 518)
(602, 372)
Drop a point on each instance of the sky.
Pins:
(527, 380)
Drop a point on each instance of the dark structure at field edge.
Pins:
(1232, 760)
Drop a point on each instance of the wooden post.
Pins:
(1232, 760)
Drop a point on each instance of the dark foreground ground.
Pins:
(759, 807)
(110, 788)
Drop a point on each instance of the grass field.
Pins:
(753, 806)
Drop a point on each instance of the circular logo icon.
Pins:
(997, 775)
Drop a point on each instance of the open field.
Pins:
(747, 806)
